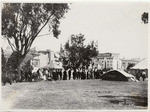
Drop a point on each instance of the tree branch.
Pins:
(42, 27)
(11, 45)
(35, 35)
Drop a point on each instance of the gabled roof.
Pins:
(108, 55)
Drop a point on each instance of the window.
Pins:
(35, 62)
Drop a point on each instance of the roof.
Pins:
(122, 72)
(126, 74)
(53, 65)
(130, 60)
(141, 65)
(108, 55)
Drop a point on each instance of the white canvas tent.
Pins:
(141, 65)
(117, 75)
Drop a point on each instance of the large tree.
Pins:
(78, 54)
(22, 23)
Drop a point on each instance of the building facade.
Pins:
(113, 61)
(107, 61)
(44, 58)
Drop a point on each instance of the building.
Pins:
(126, 62)
(44, 58)
(108, 61)
(113, 61)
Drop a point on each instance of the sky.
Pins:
(117, 27)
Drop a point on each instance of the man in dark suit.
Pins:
(69, 72)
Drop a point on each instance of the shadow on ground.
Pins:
(128, 100)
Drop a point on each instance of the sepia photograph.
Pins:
(74, 55)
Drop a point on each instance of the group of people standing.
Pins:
(55, 74)
(76, 74)
(60, 74)
(84, 73)
(68, 74)
(141, 74)
(48, 74)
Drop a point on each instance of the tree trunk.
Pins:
(19, 68)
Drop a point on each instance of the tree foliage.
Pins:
(130, 65)
(78, 54)
(27, 66)
(22, 22)
(144, 17)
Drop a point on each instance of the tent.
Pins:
(116, 75)
(54, 65)
(141, 65)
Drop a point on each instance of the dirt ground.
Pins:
(76, 95)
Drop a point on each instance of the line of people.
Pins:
(58, 74)
(55, 74)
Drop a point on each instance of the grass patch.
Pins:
(77, 94)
